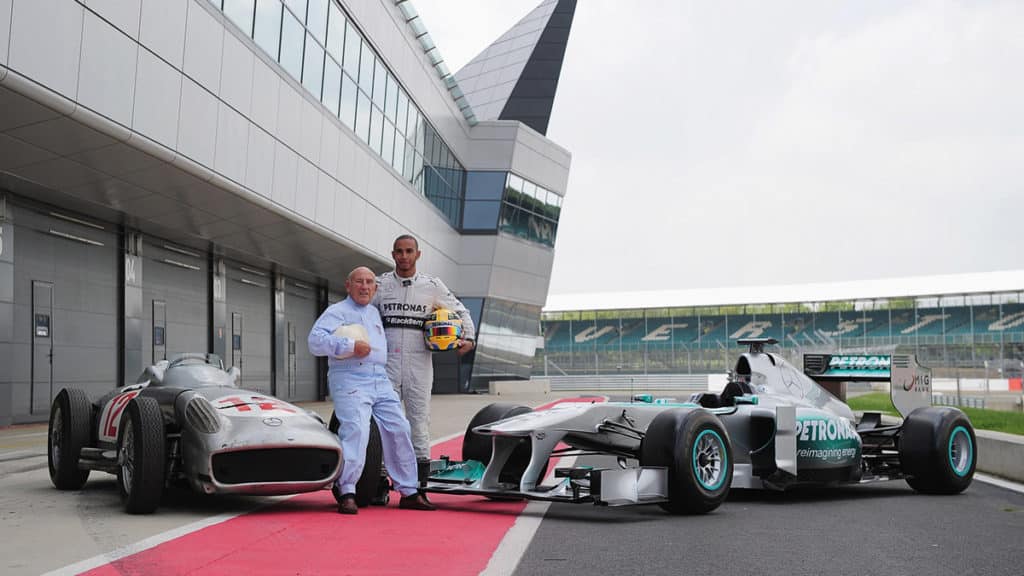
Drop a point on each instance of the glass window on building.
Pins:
(366, 63)
(363, 117)
(298, 8)
(316, 19)
(376, 128)
(267, 31)
(398, 163)
(410, 158)
(348, 101)
(293, 38)
(241, 13)
(387, 147)
(380, 80)
(336, 33)
(391, 104)
(353, 42)
(402, 115)
(313, 67)
(332, 85)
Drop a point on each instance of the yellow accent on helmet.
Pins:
(442, 330)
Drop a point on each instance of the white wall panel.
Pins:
(342, 206)
(289, 116)
(325, 193)
(124, 14)
(312, 123)
(306, 189)
(106, 77)
(204, 46)
(157, 97)
(197, 123)
(162, 28)
(232, 142)
(266, 86)
(259, 168)
(285, 176)
(236, 74)
(346, 158)
(46, 42)
(356, 219)
(329, 137)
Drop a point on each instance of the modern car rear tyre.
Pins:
(368, 486)
(480, 447)
(938, 450)
(695, 448)
(141, 452)
(70, 430)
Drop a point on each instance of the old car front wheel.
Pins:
(69, 432)
(140, 456)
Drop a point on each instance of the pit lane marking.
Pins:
(1005, 484)
(512, 551)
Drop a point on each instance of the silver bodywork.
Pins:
(784, 429)
(224, 439)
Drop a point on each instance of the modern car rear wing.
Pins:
(910, 384)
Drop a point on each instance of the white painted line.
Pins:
(1007, 484)
(158, 539)
(513, 546)
(151, 542)
(27, 435)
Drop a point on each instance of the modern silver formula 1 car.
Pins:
(772, 427)
(186, 421)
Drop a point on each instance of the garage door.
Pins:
(175, 300)
(298, 368)
(250, 325)
(64, 331)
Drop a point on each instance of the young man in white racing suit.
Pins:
(405, 298)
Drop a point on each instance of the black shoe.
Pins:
(415, 502)
(348, 504)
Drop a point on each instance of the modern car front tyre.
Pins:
(695, 448)
(480, 447)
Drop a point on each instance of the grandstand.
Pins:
(965, 331)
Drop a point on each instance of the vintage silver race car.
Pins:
(772, 427)
(186, 421)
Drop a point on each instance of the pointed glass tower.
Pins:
(515, 78)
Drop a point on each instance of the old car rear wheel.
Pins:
(140, 456)
(369, 485)
(938, 450)
(695, 448)
(70, 430)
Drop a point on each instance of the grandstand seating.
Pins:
(662, 338)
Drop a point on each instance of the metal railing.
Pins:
(635, 383)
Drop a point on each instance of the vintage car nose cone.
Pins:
(273, 421)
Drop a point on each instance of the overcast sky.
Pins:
(753, 143)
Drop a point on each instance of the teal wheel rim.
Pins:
(709, 460)
(961, 451)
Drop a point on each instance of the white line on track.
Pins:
(151, 542)
(518, 537)
(158, 539)
(1007, 484)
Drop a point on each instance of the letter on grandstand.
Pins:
(752, 329)
(592, 333)
(662, 333)
(924, 321)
